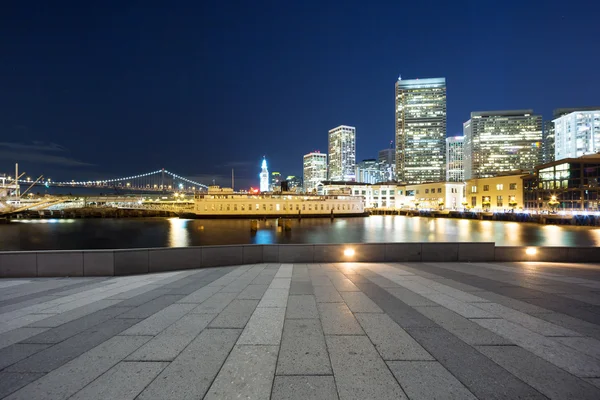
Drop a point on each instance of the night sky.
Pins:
(102, 89)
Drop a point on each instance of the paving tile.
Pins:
(200, 295)
(65, 331)
(301, 306)
(76, 374)
(532, 323)
(550, 350)
(344, 285)
(359, 371)
(264, 328)
(190, 375)
(391, 341)
(274, 298)
(63, 352)
(513, 303)
(572, 323)
(215, 304)
(327, 294)
(465, 329)
(247, 372)
(235, 315)
(124, 381)
(142, 298)
(483, 377)
(424, 380)
(17, 335)
(304, 388)
(359, 302)
(338, 320)
(593, 381)
(17, 352)
(151, 307)
(280, 283)
(304, 287)
(303, 350)
(400, 312)
(12, 381)
(159, 321)
(542, 375)
(409, 297)
(253, 292)
(167, 345)
(585, 345)
(467, 310)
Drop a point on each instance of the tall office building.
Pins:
(548, 142)
(577, 132)
(387, 164)
(342, 153)
(455, 169)
(367, 171)
(315, 170)
(501, 141)
(275, 181)
(420, 130)
(264, 176)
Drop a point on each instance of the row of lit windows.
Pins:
(277, 207)
(499, 186)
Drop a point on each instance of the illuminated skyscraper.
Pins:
(420, 130)
(367, 171)
(501, 141)
(387, 164)
(275, 181)
(264, 176)
(342, 153)
(577, 132)
(315, 170)
(548, 142)
(455, 169)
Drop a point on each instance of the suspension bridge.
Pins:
(161, 180)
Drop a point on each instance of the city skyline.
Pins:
(107, 100)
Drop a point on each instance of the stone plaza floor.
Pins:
(307, 331)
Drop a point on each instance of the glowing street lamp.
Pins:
(553, 203)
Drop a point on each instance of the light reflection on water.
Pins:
(174, 232)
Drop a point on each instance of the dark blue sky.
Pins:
(104, 88)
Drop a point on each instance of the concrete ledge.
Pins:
(50, 263)
(299, 253)
(397, 252)
(218, 256)
(252, 254)
(173, 259)
(18, 264)
(131, 262)
(476, 251)
(98, 263)
(27, 264)
(518, 253)
(439, 252)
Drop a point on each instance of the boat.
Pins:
(225, 203)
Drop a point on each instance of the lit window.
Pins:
(499, 186)
(277, 207)
(257, 207)
(473, 189)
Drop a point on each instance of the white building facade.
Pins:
(342, 154)
(577, 134)
(315, 170)
(455, 168)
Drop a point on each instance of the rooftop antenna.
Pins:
(400, 77)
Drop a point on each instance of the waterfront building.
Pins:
(380, 195)
(501, 141)
(498, 193)
(573, 183)
(548, 142)
(315, 170)
(275, 181)
(387, 164)
(455, 169)
(342, 153)
(577, 132)
(434, 195)
(264, 176)
(420, 130)
(367, 171)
